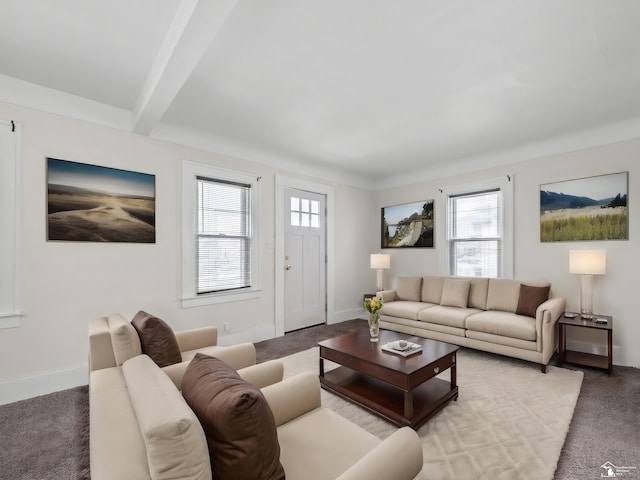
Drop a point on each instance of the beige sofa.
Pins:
(142, 428)
(491, 314)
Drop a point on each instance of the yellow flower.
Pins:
(373, 305)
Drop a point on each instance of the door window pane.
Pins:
(305, 213)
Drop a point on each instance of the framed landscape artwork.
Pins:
(90, 203)
(593, 208)
(408, 226)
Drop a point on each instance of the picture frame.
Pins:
(92, 203)
(410, 225)
(585, 209)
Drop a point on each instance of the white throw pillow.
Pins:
(455, 292)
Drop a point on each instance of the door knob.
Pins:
(287, 267)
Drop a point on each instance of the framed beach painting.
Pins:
(91, 203)
(408, 226)
(592, 208)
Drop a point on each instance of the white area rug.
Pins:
(509, 422)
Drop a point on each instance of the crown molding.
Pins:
(590, 138)
(26, 94)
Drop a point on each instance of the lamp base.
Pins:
(586, 296)
(379, 280)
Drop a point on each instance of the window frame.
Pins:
(191, 172)
(505, 186)
(10, 313)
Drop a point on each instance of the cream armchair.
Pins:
(113, 341)
(142, 428)
(318, 444)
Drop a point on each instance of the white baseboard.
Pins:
(345, 315)
(28, 387)
(248, 336)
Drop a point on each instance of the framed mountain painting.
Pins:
(592, 208)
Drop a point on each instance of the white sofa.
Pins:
(481, 313)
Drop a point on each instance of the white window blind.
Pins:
(475, 234)
(224, 236)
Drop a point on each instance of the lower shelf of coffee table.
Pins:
(387, 401)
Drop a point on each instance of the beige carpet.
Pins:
(509, 422)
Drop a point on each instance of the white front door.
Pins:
(304, 261)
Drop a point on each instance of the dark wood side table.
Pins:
(581, 358)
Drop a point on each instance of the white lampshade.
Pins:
(588, 262)
(380, 261)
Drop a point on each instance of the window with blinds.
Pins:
(223, 236)
(475, 234)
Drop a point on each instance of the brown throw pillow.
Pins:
(531, 298)
(157, 339)
(237, 420)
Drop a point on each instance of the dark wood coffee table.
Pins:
(403, 391)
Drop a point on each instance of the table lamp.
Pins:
(587, 263)
(380, 262)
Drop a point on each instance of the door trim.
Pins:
(283, 182)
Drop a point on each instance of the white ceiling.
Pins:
(374, 92)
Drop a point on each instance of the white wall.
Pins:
(353, 236)
(614, 293)
(65, 284)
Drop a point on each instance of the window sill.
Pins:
(215, 298)
(10, 320)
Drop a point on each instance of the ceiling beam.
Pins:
(192, 31)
